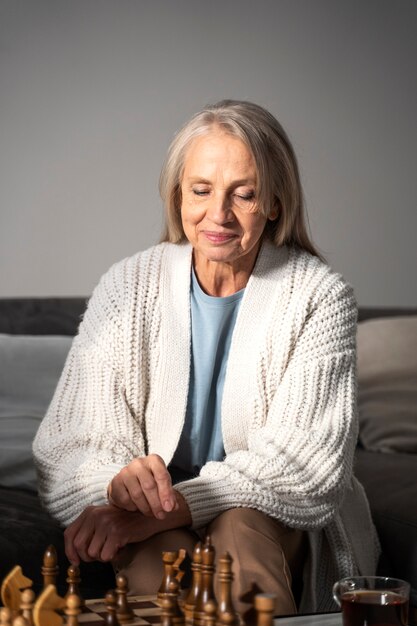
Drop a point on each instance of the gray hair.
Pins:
(278, 181)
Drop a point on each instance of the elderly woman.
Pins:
(212, 386)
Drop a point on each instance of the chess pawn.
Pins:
(191, 598)
(27, 601)
(73, 580)
(72, 609)
(110, 601)
(50, 566)
(19, 621)
(124, 612)
(265, 608)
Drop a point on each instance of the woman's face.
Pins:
(219, 210)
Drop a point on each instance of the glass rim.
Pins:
(391, 580)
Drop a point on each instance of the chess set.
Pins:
(171, 606)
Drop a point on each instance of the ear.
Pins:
(274, 211)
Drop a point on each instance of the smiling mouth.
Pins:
(215, 237)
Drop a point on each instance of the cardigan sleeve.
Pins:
(298, 464)
(89, 432)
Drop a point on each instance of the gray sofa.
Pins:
(35, 335)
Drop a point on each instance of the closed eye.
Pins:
(247, 197)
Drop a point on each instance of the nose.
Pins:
(220, 209)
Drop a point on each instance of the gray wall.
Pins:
(92, 91)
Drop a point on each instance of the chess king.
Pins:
(211, 386)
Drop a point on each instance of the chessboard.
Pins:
(146, 610)
(171, 606)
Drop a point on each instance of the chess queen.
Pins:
(211, 387)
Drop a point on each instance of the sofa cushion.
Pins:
(391, 487)
(29, 371)
(387, 384)
(26, 530)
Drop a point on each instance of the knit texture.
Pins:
(289, 415)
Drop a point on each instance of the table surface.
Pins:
(324, 619)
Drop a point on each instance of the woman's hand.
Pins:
(144, 485)
(101, 531)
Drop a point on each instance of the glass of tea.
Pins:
(372, 601)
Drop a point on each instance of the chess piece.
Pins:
(170, 606)
(27, 601)
(72, 609)
(73, 580)
(124, 612)
(110, 601)
(50, 567)
(19, 621)
(11, 588)
(191, 598)
(227, 613)
(46, 607)
(210, 613)
(207, 575)
(265, 608)
(169, 559)
(178, 572)
(5, 617)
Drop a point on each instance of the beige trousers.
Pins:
(267, 557)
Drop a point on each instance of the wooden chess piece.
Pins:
(265, 608)
(169, 560)
(110, 601)
(5, 616)
(72, 609)
(227, 613)
(169, 600)
(11, 588)
(73, 580)
(46, 607)
(124, 612)
(210, 613)
(50, 566)
(19, 621)
(27, 602)
(178, 572)
(207, 575)
(195, 589)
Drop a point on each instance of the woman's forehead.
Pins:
(218, 151)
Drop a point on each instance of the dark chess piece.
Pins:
(110, 601)
(227, 614)
(207, 576)
(73, 580)
(124, 612)
(195, 589)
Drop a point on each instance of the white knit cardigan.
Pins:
(289, 416)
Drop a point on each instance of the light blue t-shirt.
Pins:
(212, 323)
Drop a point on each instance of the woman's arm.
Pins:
(89, 433)
(298, 464)
(101, 531)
